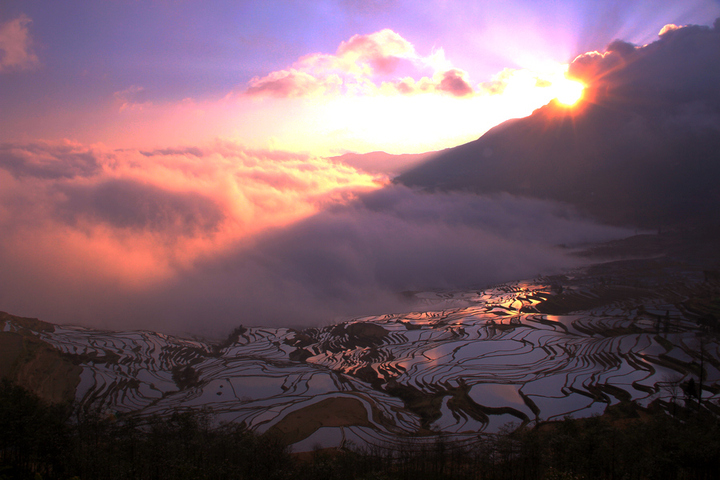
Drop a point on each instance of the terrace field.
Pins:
(639, 328)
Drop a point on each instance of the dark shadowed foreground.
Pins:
(41, 441)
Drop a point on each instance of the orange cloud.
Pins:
(361, 66)
(592, 67)
(16, 45)
(135, 218)
(293, 83)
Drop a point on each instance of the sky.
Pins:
(322, 77)
(167, 164)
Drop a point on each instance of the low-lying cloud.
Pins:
(136, 218)
(201, 239)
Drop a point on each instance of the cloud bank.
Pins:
(200, 239)
(384, 63)
(138, 217)
(379, 63)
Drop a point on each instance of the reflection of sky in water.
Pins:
(712, 374)
(497, 395)
(448, 423)
(320, 383)
(255, 387)
(323, 437)
(208, 393)
(551, 407)
(550, 385)
(446, 419)
(678, 354)
(497, 422)
(145, 390)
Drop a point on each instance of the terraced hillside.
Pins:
(631, 330)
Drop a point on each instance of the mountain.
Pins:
(633, 330)
(641, 149)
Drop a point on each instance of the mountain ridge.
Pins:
(642, 148)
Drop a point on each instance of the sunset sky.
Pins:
(320, 77)
(152, 151)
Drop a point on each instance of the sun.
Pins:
(568, 92)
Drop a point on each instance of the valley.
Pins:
(635, 330)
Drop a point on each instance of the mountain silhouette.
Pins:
(641, 149)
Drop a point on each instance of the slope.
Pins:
(642, 148)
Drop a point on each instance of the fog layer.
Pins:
(201, 240)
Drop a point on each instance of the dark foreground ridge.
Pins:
(43, 441)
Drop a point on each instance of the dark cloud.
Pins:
(398, 239)
(683, 65)
(194, 151)
(46, 161)
(621, 47)
(129, 204)
(454, 83)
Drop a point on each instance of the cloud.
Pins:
(127, 204)
(356, 259)
(195, 151)
(200, 239)
(455, 83)
(667, 28)
(140, 217)
(134, 97)
(382, 51)
(591, 67)
(682, 66)
(43, 160)
(293, 83)
(16, 45)
(379, 63)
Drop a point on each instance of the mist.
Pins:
(89, 241)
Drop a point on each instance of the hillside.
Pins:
(641, 149)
